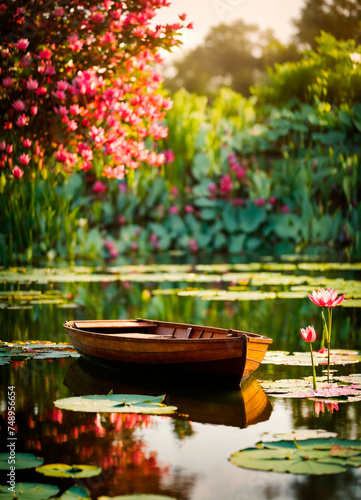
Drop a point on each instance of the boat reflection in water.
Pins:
(238, 408)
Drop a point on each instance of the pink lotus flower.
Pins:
(308, 334)
(22, 44)
(225, 184)
(193, 246)
(9, 149)
(189, 209)
(173, 209)
(34, 110)
(32, 84)
(19, 105)
(2, 145)
(7, 82)
(326, 298)
(17, 172)
(22, 120)
(27, 143)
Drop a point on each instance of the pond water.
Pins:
(185, 456)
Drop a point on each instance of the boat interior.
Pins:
(152, 329)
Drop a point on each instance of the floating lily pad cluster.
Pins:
(21, 351)
(26, 299)
(343, 389)
(337, 357)
(40, 491)
(310, 456)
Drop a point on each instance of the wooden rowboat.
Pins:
(164, 348)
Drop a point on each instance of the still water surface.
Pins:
(185, 456)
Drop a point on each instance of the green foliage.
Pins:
(328, 73)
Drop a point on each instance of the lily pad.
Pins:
(301, 434)
(116, 403)
(303, 388)
(337, 357)
(64, 470)
(23, 461)
(311, 456)
(76, 493)
(28, 491)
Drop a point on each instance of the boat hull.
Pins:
(172, 349)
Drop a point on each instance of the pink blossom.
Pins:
(182, 17)
(72, 125)
(22, 121)
(259, 202)
(174, 191)
(45, 54)
(272, 200)
(22, 44)
(61, 155)
(169, 156)
(99, 187)
(122, 219)
(326, 298)
(157, 131)
(308, 334)
(134, 245)
(24, 159)
(87, 154)
(113, 252)
(190, 26)
(189, 209)
(59, 94)
(212, 188)
(58, 12)
(2, 145)
(34, 110)
(285, 209)
(62, 85)
(173, 209)
(19, 105)
(7, 82)
(9, 149)
(240, 172)
(225, 184)
(114, 173)
(85, 166)
(75, 109)
(193, 246)
(32, 84)
(17, 172)
(41, 91)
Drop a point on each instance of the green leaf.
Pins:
(208, 214)
(64, 470)
(28, 491)
(332, 138)
(251, 218)
(311, 456)
(236, 243)
(23, 461)
(201, 166)
(116, 403)
(230, 219)
(76, 493)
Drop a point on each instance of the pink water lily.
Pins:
(326, 298)
(308, 334)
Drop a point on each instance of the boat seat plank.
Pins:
(112, 324)
(138, 335)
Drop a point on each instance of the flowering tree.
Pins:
(79, 85)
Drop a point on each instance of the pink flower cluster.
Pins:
(90, 99)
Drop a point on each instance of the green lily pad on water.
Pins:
(117, 403)
(301, 434)
(28, 491)
(76, 493)
(23, 461)
(311, 456)
(64, 470)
